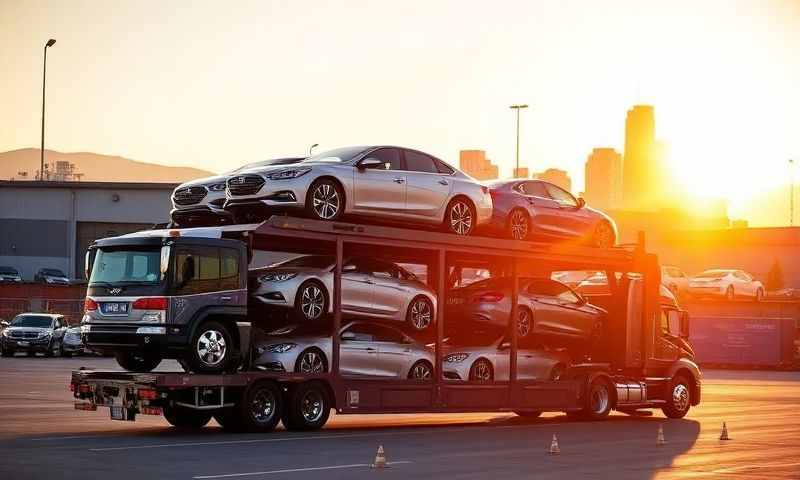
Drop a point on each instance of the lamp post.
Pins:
(791, 192)
(49, 43)
(517, 108)
(311, 148)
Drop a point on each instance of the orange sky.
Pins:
(214, 86)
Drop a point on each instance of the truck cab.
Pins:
(167, 294)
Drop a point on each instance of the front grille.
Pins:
(189, 195)
(245, 184)
(24, 335)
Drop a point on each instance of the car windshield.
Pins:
(126, 266)
(32, 321)
(266, 163)
(8, 271)
(713, 274)
(308, 261)
(53, 272)
(337, 155)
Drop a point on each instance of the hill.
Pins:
(94, 167)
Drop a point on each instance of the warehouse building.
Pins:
(50, 224)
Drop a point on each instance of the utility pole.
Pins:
(49, 43)
(791, 192)
(517, 108)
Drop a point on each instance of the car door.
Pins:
(357, 287)
(428, 190)
(358, 353)
(746, 282)
(389, 295)
(533, 364)
(380, 190)
(394, 352)
(558, 309)
(543, 210)
(572, 220)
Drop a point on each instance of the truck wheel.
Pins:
(598, 400)
(679, 398)
(137, 362)
(308, 407)
(181, 417)
(211, 349)
(261, 407)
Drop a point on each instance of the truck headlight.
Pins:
(456, 357)
(286, 174)
(281, 347)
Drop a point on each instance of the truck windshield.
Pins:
(126, 267)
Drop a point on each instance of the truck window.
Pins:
(196, 270)
(229, 269)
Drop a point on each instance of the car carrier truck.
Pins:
(146, 301)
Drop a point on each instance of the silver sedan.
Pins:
(393, 183)
(367, 349)
(371, 288)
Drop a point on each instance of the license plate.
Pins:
(23, 344)
(114, 308)
(117, 412)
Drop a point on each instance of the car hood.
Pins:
(204, 181)
(28, 329)
(289, 166)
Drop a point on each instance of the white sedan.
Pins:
(727, 283)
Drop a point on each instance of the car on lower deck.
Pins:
(538, 210)
(33, 333)
(387, 183)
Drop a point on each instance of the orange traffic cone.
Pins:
(380, 458)
(554, 450)
(724, 434)
(660, 438)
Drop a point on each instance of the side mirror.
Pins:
(581, 202)
(684, 325)
(370, 162)
(348, 336)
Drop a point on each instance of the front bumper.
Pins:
(200, 214)
(139, 337)
(30, 345)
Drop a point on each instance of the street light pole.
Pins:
(791, 192)
(517, 108)
(311, 148)
(49, 43)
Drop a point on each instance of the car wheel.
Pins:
(311, 361)
(137, 362)
(420, 313)
(325, 200)
(308, 407)
(212, 349)
(262, 407)
(311, 302)
(679, 398)
(759, 294)
(422, 370)
(481, 371)
(524, 322)
(603, 236)
(730, 294)
(460, 217)
(188, 418)
(518, 225)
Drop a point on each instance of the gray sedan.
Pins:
(367, 349)
(371, 288)
(393, 183)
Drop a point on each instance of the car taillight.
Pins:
(146, 394)
(150, 303)
(488, 297)
(89, 305)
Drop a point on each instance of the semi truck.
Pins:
(147, 301)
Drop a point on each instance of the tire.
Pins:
(54, 350)
(519, 225)
(481, 371)
(460, 217)
(421, 370)
(261, 408)
(308, 407)
(420, 313)
(603, 236)
(679, 399)
(524, 322)
(730, 294)
(181, 417)
(759, 294)
(212, 349)
(312, 361)
(325, 200)
(135, 362)
(599, 396)
(528, 414)
(311, 302)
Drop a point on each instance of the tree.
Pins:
(774, 277)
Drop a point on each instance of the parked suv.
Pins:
(51, 276)
(34, 333)
(9, 274)
(155, 295)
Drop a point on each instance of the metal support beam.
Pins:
(337, 306)
(440, 302)
(513, 326)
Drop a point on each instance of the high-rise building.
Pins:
(475, 164)
(521, 172)
(640, 184)
(556, 177)
(603, 178)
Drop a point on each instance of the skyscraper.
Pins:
(603, 178)
(556, 177)
(475, 164)
(640, 186)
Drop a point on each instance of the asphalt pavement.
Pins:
(42, 436)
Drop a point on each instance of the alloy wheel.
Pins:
(519, 225)
(211, 347)
(421, 371)
(421, 314)
(312, 302)
(326, 201)
(524, 322)
(680, 397)
(460, 218)
(311, 362)
(482, 371)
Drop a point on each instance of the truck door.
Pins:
(666, 348)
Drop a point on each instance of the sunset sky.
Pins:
(213, 85)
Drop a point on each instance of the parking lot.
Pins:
(41, 436)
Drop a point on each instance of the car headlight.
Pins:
(276, 276)
(216, 187)
(281, 347)
(456, 357)
(286, 174)
(45, 335)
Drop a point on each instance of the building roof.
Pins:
(88, 185)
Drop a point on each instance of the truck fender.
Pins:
(691, 370)
(236, 314)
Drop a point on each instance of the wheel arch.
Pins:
(691, 371)
(458, 196)
(345, 190)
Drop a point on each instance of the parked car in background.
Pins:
(675, 280)
(539, 210)
(34, 333)
(371, 288)
(368, 349)
(392, 183)
(73, 343)
(473, 358)
(51, 276)
(549, 310)
(9, 274)
(201, 201)
(726, 283)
